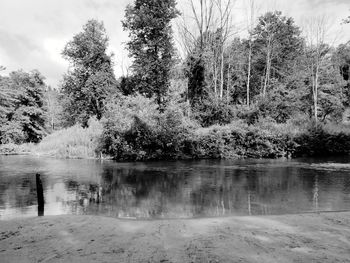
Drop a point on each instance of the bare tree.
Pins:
(317, 50)
(212, 28)
(225, 23)
(250, 26)
(125, 66)
(203, 16)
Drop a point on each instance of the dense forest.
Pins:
(280, 91)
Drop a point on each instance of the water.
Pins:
(184, 189)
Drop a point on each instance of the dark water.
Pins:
(173, 189)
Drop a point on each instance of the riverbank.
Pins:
(321, 237)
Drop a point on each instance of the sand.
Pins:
(321, 237)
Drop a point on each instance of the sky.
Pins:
(33, 33)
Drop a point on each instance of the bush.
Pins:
(147, 136)
(125, 126)
(214, 112)
(324, 140)
(240, 140)
(135, 130)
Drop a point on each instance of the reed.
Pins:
(72, 142)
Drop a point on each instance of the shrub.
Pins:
(135, 130)
(240, 140)
(324, 140)
(211, 112)
(159, 136)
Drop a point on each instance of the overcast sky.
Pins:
(34, 32)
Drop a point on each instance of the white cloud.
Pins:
(33, 33)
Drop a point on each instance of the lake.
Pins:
(181, 189)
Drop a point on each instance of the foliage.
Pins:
(277, 46)
(324, 140)
(15, 149)
(151, 45)
(91, 79)
(237, 140)
(298, 91)
(72, 142)
(170, 139)
(139, 131)
(212, 111)
(22, 112)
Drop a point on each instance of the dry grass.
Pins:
(72, 142)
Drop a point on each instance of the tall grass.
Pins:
(72, 142)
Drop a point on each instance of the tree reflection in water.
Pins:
(180, 189)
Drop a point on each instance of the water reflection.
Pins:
(173, 189)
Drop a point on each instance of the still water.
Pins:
(183, 189)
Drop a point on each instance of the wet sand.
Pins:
(321, 237)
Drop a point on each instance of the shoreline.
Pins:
(319, 237)
(109, 158)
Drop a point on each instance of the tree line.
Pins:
(279, 74)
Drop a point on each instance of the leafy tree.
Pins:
(7, 96)
(24, 118)
(151, 44)
(331, 92)
(91, 79)
(341, 59)
(7, 104)
(277, 45)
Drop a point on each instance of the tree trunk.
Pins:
(316, 94)
(222, 73)
(267, 75)
(228, 80)
(249, 70)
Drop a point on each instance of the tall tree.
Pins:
(341, 58)
(91, 80)
(250, 27)
(225, 26)
(317, 52)
(151, 44)
(277, 43)
(205, 47)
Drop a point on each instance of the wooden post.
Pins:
(40, 195)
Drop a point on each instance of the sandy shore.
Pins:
(321, 237)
